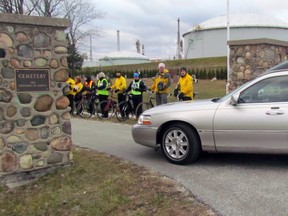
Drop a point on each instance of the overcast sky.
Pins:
(154, 22)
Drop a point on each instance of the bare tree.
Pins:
(81, 13)
(23, 7)
(47, 8)
(12, 6)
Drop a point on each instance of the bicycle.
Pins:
(125, 109)
(83, 106)
(107, 108)
(145, 105)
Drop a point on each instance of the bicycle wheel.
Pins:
(142, 107)
(106, 109)
(123, 111)
(83, 109)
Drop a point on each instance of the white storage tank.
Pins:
(209, 38)
(123, 58)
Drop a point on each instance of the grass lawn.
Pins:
(209, 89)
(204, 88)
(99, 184)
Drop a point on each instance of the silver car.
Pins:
(251, 119)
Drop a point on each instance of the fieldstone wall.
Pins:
(35, 128)
(250, 58)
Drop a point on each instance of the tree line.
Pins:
(201, 73)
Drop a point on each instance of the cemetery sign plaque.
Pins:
(32, 80)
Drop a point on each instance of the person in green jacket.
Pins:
(136, 88)
(103, 93)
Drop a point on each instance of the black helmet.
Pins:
(183, 68)
(88, 78)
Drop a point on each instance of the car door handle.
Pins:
(275, 112)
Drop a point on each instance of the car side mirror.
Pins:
(234, 99)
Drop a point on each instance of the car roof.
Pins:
(279, 67)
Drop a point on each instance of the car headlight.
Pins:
(144, 120)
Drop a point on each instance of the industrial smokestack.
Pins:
(118, 40)
(143, 53)
(138, 46)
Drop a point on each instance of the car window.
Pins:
(274, 89)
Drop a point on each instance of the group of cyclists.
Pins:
(101, 89)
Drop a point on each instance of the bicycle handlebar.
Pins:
(149, 91)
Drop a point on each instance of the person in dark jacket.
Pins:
(90, 88)
(136, 88)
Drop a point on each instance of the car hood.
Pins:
(204, 104)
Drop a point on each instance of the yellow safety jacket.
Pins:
(78, 87)
(186, 85)
(120, 84)
(165, 78)
(71, 83)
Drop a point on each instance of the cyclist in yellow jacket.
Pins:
(119, 86)
(78, 88)
(161, 84)
(185, 86)
(71, 83)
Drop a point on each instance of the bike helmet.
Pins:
(101, 74)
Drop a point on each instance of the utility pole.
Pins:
(228, 39)
(118, 40)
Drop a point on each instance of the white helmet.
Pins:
(101, 74)
(161, 65)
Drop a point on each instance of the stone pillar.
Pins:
(250, 58)
(35, 128)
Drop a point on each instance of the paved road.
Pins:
(232, 184)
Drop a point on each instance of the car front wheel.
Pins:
(180, 144)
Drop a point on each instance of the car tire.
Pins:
(180, 144)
